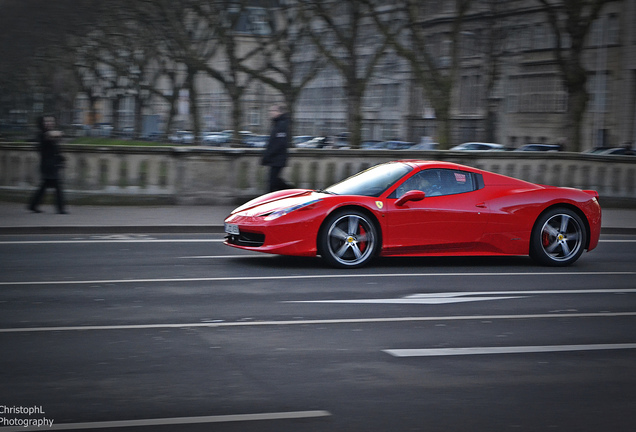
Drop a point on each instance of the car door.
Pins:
(451, 218)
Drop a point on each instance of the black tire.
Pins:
(348, 239)
(558, 238)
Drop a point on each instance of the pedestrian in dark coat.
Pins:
(51, 162)
(275, 155)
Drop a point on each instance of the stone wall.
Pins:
(207, 175)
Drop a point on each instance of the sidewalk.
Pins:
(16, 219)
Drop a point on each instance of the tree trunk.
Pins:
(237, 114)
(139, 109)
(194, 106)
(354, 114)
(577, 102)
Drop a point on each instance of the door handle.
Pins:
(481, 205)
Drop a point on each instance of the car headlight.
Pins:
(282, 212)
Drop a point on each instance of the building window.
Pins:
(470, 94)
(613, 30)
(538, 37)
(536, 93)
(599, 92)
(390, 95)
(389, 131)
(254, 116)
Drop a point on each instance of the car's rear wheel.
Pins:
(348, 239)
(558, 238)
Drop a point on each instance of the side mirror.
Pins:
(413, 195)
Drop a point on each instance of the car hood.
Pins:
(277, 201)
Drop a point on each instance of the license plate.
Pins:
(232, 229)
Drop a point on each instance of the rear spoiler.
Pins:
(593, 193)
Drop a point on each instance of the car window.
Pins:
(371, 182)
(438, 182)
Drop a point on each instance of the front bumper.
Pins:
(282, 237)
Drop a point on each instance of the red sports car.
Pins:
(420, 208)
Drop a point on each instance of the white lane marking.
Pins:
(177, 421)
(458, 297)
(440, 352)
(441, 299)
(317, 322)
(351, 275)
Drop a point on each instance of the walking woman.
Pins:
(51, 162)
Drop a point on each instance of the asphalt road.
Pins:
(182, 333)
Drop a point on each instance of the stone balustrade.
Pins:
(209, 175)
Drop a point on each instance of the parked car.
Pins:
(612, 151)
(426, 143)
(372, 144)
(540, 147)
(152, 136)
(316, 142)
(182, 137)
(341, 140)
(297, 140)
(255, 140)
(597, 150)
(420, 208)
(479, 146)
(398, 145)
(215, 138)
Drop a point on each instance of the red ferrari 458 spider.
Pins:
(420, 208)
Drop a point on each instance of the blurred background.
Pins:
(354, 73)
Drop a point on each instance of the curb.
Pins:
(158, 229)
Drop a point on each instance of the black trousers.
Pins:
(275, 182)
(48, 183)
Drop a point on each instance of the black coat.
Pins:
(276, 151)
(51, 160)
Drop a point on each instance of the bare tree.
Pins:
(185, 46)
(129, 59)
(287, 58)
(432, 52)
(571, 20)
(345, 34)
(491, 42)
(86, 60)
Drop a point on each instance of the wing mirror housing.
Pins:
(413, 195)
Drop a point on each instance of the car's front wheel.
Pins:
(558, 238)
(348, 239)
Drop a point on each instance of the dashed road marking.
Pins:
(441, 352)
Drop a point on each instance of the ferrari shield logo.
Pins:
(380, 204)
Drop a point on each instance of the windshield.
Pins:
(371, 182)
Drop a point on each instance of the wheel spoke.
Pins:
(551, 230)
(356, 250)
(353, 225)
(343, 249)
(552, 247)
(565, 248)
(338, 234)
(565, 221)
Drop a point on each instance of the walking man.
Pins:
(275, 155)
(51, 162)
